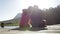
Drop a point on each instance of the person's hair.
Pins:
(24, 10)
(29, 7)
(35, 6)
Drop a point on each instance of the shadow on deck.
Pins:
(30, 29)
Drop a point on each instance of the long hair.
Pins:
(25, 11)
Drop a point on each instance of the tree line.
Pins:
(52, 15)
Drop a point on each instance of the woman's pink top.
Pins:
(24, 19)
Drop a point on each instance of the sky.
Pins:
(10, 8)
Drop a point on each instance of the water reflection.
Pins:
(10, 27)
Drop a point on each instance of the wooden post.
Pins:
(2, 25)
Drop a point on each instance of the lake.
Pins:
(10, 27)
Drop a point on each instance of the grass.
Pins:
(25, 28)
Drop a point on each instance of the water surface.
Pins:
(10, 27)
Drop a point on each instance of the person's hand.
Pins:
(44, 20)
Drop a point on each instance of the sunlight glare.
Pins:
(41, 3)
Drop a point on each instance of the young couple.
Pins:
(32, 17)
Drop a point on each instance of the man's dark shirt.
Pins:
(37, 17)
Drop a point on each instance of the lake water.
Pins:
(10, 27)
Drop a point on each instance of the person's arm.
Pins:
(44, 21)
(29, 23)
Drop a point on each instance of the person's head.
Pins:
(35, 6)
(30, 9)
(24, 10)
